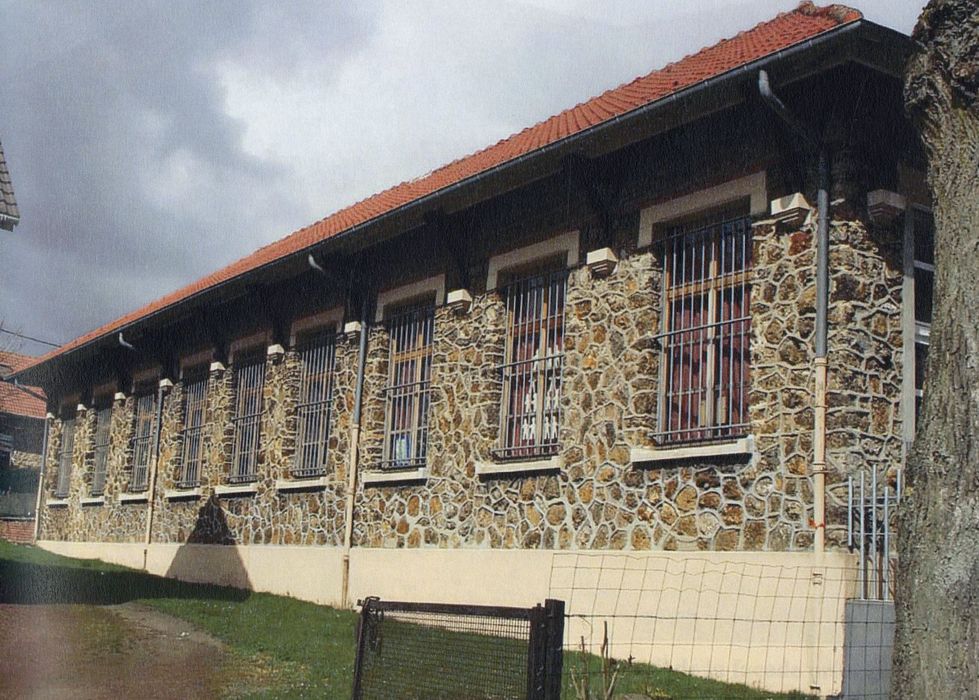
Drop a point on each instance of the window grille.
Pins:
(195, 411)
(315, 409)
(407, 395)
(533, 363)
(64, 458)
(923, 244)
(143, 440)
(103, 420)
(706, 326)
(247, 420)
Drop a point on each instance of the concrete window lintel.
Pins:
(565, 243)
(388, 297)
(752, 186)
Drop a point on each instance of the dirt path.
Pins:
(106, 652)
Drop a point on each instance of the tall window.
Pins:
(64, 458)
(706, 330)
(407, 395)
(103, 420)
(247, 420)
(195, 410)
(923, 271)
(533, 362)
(143, 438)
(315, 410)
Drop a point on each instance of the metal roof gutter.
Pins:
(745, 71)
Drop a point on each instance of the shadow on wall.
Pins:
(209, 555)
(29, 576)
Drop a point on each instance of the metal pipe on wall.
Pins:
(155, 467)
(353, 462)
(820, 363)
(40, 479)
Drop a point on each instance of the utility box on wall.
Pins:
(868, 647)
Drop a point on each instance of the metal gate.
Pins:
(442, 651)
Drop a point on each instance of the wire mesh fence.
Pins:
(425, 650)
(697, 626)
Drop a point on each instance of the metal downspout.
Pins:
(40, 480)
(820, 365)
(155, 467)
(354, 459)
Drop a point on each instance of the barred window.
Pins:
(407, 395)
(533, 363)
(315, 409)
(64, 458)
(706, 326)
(249, 380)
(143, 440)
(195, 412)
(103, 420)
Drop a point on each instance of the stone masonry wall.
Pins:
(599, 498)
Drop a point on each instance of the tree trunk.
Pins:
(937, 644)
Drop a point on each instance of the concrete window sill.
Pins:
(643, 455)
(546, 464)
(405, 476)
(300, 484)
(93, 501)
(57, 503)
(182, 494)
(232, 490)
(134, 497)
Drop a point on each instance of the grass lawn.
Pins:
(299, 649)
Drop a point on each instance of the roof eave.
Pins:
(881, 50)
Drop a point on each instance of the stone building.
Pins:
(598, 335)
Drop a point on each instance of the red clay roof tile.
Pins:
(785, 30)
(16, 400)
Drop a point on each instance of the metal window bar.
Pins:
(143, 441)
(315, 408)
(706, 330)
(195, 412)
(64, 458)
(530, 418)
(872, 505)
(407, 395)
(247, 420)
(103, 421)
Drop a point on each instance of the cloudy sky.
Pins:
(152, 142)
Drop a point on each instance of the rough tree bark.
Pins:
(937, 645)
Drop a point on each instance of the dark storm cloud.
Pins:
(132, 179)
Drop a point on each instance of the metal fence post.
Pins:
(536, 653)
(365, 610)
(554, 656)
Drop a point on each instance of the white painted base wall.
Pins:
(772, 620)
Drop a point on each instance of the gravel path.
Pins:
(102, 652)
